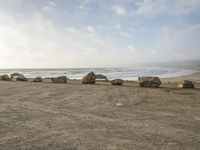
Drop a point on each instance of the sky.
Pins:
(97, 33)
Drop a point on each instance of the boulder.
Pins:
(0, 77)
(21, 78)
(101, 77)
(89, 78)
(148, 81)
(61, 79)
(15, 75)
(37, 79)
(117, 82)
(5, 77)
(186, 84)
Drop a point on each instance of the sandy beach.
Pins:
(99, 117)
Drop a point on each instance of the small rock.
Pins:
(148, 81)
(5, 77)
(119, 104)
(101, 77)
(89, 78)
(37, 79)
(186, 84)
(15, 75)
(21, 78)
(117, 82)
(61, 79)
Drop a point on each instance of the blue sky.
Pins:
(97, 33)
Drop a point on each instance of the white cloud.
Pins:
(178, 44)
(131, 48)
(156, 7)
(38, 43)
(117, 26)
(90, 29)
(119, 10)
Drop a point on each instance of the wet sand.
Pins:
(72, 116)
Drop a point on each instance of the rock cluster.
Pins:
(148, 81)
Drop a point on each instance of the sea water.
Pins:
(112, 73)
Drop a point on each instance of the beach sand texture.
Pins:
(96, 117)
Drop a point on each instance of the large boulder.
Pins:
(101, 77)
(61, 79)
(117, 82)
(21, 78)
(89, 78)
(148, 81)
(186, 84)
(15, 75)
(37, 79)
(5, 77)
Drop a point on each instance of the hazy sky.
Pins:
(97, 33)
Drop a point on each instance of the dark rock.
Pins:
(15, 75)
(89, 78)
(21, 78)
(101, 77)
(61, 79)
(117, 82)
(37, 79)
(186, 84)
(5, 77)
(149, 81)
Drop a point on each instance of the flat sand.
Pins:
(47, 116)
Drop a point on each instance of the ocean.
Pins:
(112, 73)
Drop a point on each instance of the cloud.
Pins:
(90, 29)
(119, 10)
(131, 48)
(39, 43)
(178, 44)
(168, 7)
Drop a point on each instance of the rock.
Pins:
(0, 77)
(149, 81)
(21, 78)
(5, 77)
(15, 75)
(37, 79)
(61, 79)
(117, 82)
(101, 77)
(186, 84)
(89, 78)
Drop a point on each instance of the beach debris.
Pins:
(117, 82)
(5, 77)
(186, 84)
(101, 77)
(89, 78)
(61, 79)
(149, 81)
(15, 75)
(21, 78)
(37, 79)
(119, 104)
